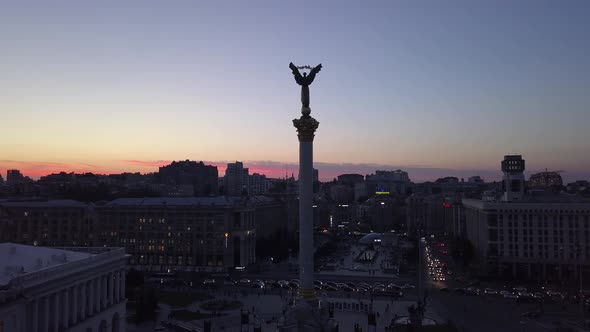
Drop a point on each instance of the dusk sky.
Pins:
(433, 87)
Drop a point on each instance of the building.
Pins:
(539, 235)
(236, 179)
(545, 180)
(435, 214)
(258, 184)
(178, 233)
(394, 182)
(475, 179)
(182, 234)
(14, 176)
(47, 223)
(350, 179)
(513, 179)
(202, 177)
(61, 290)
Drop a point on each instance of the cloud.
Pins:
(36, 169)
(146, 163)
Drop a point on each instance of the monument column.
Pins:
(306, 127)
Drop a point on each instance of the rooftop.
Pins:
(61, 203)
(18, 259)
(534, 198)
(188, 201)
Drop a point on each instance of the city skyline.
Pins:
(447, 88)
(327, 171)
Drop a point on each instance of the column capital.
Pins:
(306, 127)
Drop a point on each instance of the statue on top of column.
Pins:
(305, 81)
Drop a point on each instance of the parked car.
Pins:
(330, 288)
(489, 291)
(229, 283)
(209, 282)
(258, 283)
(511, 296)
(332, 284)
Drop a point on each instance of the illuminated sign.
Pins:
(382, 193)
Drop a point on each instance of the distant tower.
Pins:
(513, 179)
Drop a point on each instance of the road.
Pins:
(479, 313)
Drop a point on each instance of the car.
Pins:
(362, 289)
(295, 280)
(293, 285)
(347, 288)
(271, 283)
(394, 286)
(364, 284)
(332, 284)
(283, 283)
(352, 285)
(209, 282)
(330, 288)
(408, 286)
(472, 291)
(378, 285)
(244, 281)
(379, 290)
(258, 283)
(511, 296)
(229, 283)
(489, 291)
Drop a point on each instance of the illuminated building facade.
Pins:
(185, 234)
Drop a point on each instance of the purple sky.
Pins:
(450, 86)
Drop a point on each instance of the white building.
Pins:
(54, 290)
(539, 236)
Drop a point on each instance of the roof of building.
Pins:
(541, 198)
(61, 203)
(369, 238)
(188, 201)
(18, 259)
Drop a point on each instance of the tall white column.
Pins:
(306, 127)
(65, 307)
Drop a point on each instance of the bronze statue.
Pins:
(305, 81)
